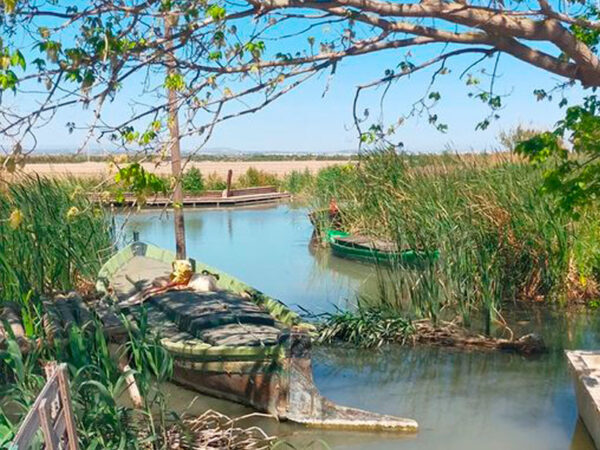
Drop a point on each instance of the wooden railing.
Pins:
(253, 190)
(52, 413)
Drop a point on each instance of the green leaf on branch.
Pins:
(17, 59)
(8, 80)
(572, 177)
(138, 180)
(175, 82)
(215, 12)
(215, 56)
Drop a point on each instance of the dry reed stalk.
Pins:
(213, 430)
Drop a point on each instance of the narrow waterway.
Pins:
(462, 400)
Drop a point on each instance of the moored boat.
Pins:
(372, 250)
(234, 342)
(585, 368)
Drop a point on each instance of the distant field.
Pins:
(99, 169)
(55, 158)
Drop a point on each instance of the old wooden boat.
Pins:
(234, 343)
(372, 250)
(585, 368)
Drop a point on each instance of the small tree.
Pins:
(573, 176)
(193, 181)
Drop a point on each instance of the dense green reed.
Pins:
(499, 239)
(51, 237)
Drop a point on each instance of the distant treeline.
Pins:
(58, 158)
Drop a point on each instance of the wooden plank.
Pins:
(229, 177)
(60, 423)
(217, 353)
(231, 367)
(40, 414)
(51, 441)
(233, 199)
(65, 396)
(370, 243)
(29, 428)
(32, 421)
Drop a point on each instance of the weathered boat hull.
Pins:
(284, 388)
(275, 377)
(585, 368)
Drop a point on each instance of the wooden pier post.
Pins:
(229, 177)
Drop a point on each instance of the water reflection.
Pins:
(267, 247)
(462, 400)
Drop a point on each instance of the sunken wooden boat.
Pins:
(372, 250)
(585, 369)
(234, 343)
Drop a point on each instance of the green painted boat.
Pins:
(370, 250)
(234, 342)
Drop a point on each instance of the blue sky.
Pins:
(305, 121)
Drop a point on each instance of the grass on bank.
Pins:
(70, 157)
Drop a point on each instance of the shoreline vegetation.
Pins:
(53, 242)
(501, 242)
(64, 158)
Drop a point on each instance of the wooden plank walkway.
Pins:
(236, 197)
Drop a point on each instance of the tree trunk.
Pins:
(175, 149)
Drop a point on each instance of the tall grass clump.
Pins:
(500, 240)
(297, 182)
(51, 237)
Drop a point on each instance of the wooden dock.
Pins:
(233, 197)
(585, 368)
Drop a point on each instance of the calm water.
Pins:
(462, 400)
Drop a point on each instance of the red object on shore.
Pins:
(334, 214)
(333, 208)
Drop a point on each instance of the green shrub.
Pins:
(192, 181)
(297, 181)
(215, 183)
